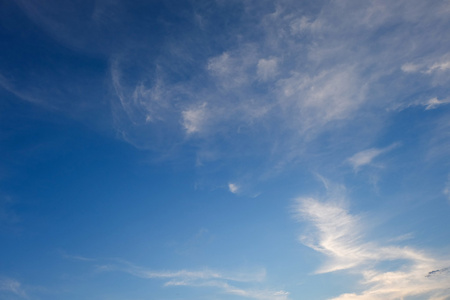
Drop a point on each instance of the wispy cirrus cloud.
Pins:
(283, 69)
(9, 285)
(339, 235)
(244, 284)
(224, 282)
(443, 64)
(304, 75)
(435, 102)
(233, 290)
(366, 157)
(75, 257)
(428, 104)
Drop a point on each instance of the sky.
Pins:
(224, 150)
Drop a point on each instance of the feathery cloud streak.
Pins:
(280, 69)
(339, 236)
(303, 75)
(12, 286)
(365, 157)
(225, 283)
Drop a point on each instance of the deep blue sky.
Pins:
(269, 150)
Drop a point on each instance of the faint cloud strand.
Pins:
(12, 286)
(366, 157)
(202, 278)
(429, 104)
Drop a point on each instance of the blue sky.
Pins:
(275, 150)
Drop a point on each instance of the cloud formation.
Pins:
(429, 104)
(280, 69)
(195, 118)
(234, 188)
(340, 237)
(204, 278)
(366, 157)
(12, 286)
(435, 102)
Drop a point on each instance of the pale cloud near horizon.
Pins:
(233, 290)
(339, 235)
(204, 278)
(366, 157)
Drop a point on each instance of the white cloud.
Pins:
(428, 68)
(366, 157)
(195, 118)
(234, 188)
(339, 236)
(441, 66)
(429, 104)
(435, 102)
